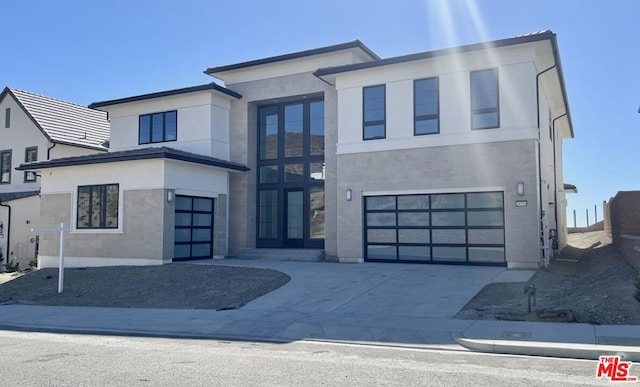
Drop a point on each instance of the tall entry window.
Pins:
(290, 199)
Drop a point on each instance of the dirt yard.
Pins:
(167, 286)
(590, 282)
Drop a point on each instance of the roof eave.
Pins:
(166, 93)
(296, 55)
(435, 53)
(144, 154)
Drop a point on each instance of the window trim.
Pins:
(10, 153)
(436, 116)
(103, 209)
(496, 109)
(382, 122)
(7, 118)
(26, 160)
(164, 127)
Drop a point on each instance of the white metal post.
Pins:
(61, 230)
(61, 263)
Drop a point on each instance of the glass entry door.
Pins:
(294, 218)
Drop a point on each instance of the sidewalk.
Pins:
(321, 303)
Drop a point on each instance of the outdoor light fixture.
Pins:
(170, 196)
(520, 188)
(1, 228)
(349, 195)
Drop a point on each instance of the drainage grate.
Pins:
(616, 340)
(516, 335)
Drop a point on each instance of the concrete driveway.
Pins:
(376, 289)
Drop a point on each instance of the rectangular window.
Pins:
(485, 106)
(98, 206)
(30, 154)
(7, 117)
(5, 167)
(426, 106)
(373, 112)
(158, 127)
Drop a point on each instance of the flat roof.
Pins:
(295, 55)
(134, 154)
(192, 89)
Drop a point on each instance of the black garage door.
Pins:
(465, 228)
(193, 228)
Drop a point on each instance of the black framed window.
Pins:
(158, 127)
(426, 106)
(291, 173)
(5, 166)
(97, 206)
(373, 112)
(7, 117)
(30, 154)
(485, 101)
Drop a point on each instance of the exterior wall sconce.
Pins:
(170, 196)
(520, 188)
(1, 228)
(349, 195)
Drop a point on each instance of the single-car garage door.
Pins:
(193, 228)
(435, 228)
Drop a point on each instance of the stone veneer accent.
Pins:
(147, 218)
(444, 169)
(243, 141)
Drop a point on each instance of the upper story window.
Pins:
(7, 117)
(485, 104)
(426, 106)
(30, 154)
(98, 206)
(158, 127)
(5, 167)
(373, 112)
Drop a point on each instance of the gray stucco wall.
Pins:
(147, 217)
(220, 226)
(467, 167)
(243, 143)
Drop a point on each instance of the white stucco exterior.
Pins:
(526, 148)
(203, 122)
(21, 134)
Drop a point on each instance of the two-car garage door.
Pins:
(435, 228)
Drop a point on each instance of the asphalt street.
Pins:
(45, 359)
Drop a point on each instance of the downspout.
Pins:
(8, 252)
(555, 173)
(49, 150)
(539, 154)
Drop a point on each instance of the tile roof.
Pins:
(135, 154)
(64, 122)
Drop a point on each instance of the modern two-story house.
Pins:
(447, 156)
(32, 128)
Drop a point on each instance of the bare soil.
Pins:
(590, 282)
(178, 286)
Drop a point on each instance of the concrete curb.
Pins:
(564, 350)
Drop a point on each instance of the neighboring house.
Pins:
(35, 128)
(446, 156)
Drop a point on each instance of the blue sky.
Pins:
(87, 51)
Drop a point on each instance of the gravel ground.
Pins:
(589, 283)
(178, 286)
